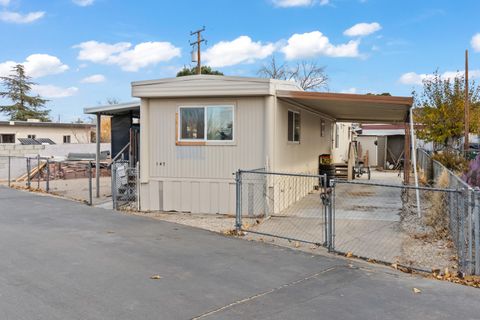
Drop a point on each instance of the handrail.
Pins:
(119, 153)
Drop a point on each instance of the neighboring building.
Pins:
(197, 131)
(383, 143)
(44, 132)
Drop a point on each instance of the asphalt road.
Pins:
(64, 260)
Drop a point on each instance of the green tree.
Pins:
(439, 110)
(17, 87)
(193, 71)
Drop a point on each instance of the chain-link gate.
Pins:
(282, 205)
(125, 193)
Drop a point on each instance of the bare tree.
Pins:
(308, 74)
(274, 71)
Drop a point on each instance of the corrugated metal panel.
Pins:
(171, 161)
(200, 179)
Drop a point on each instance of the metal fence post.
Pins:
(28, 173)
(90, 197)
(48, 176)
(38, 171)
(470, 205)
(238, 205)
(476, 224)
(114, 185)
(9, 169)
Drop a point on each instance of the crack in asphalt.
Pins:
(258, 295)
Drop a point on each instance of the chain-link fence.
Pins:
(69, 179)
(464, 219)
(382, 222)
(281, 205)
(125, 186)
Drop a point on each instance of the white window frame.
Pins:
(69, 139)
(293, 131)
(205, 127)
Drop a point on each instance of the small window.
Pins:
(293, 126)
(7, 138)
(32, 136)
(322, 128)
(66, 139)
(337, 135)
(209, 123)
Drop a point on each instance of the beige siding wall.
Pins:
(56, 134)
(199, 178)
(300, 157)
(297, 157)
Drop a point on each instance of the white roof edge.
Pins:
(112, 107)
(212, 77)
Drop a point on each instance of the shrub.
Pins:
(437, 215)
(451, 160)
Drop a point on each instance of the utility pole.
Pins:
(466, 145)
(198, 43)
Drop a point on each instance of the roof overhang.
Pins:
(345, 107)
(115, 109)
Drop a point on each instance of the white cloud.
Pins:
(413, 78)
(96, 78)
(350, 90)
(15, 17)
(50, 91)
(314, 43)
(83, 3)
(100, 52)
(239, 50)
(36, 66)
(127, 57)
(475, 42)
(298, 3)
(4, 2)
(362, 29)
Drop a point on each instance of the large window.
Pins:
(293, 126)
(206, 123)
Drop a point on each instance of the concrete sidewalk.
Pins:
(64, 260)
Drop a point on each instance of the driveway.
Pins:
(64, 260)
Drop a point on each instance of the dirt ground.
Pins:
(75, 189)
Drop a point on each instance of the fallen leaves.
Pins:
(156, 277)
(349, 254)
(416, 290)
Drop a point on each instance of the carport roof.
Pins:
(352, 107)
(115, 109)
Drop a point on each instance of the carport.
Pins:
(124, 131)
(358, 108)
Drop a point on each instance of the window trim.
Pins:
(204, 141)
(293, 124)
(69, 139)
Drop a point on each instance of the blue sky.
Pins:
(81, 52)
